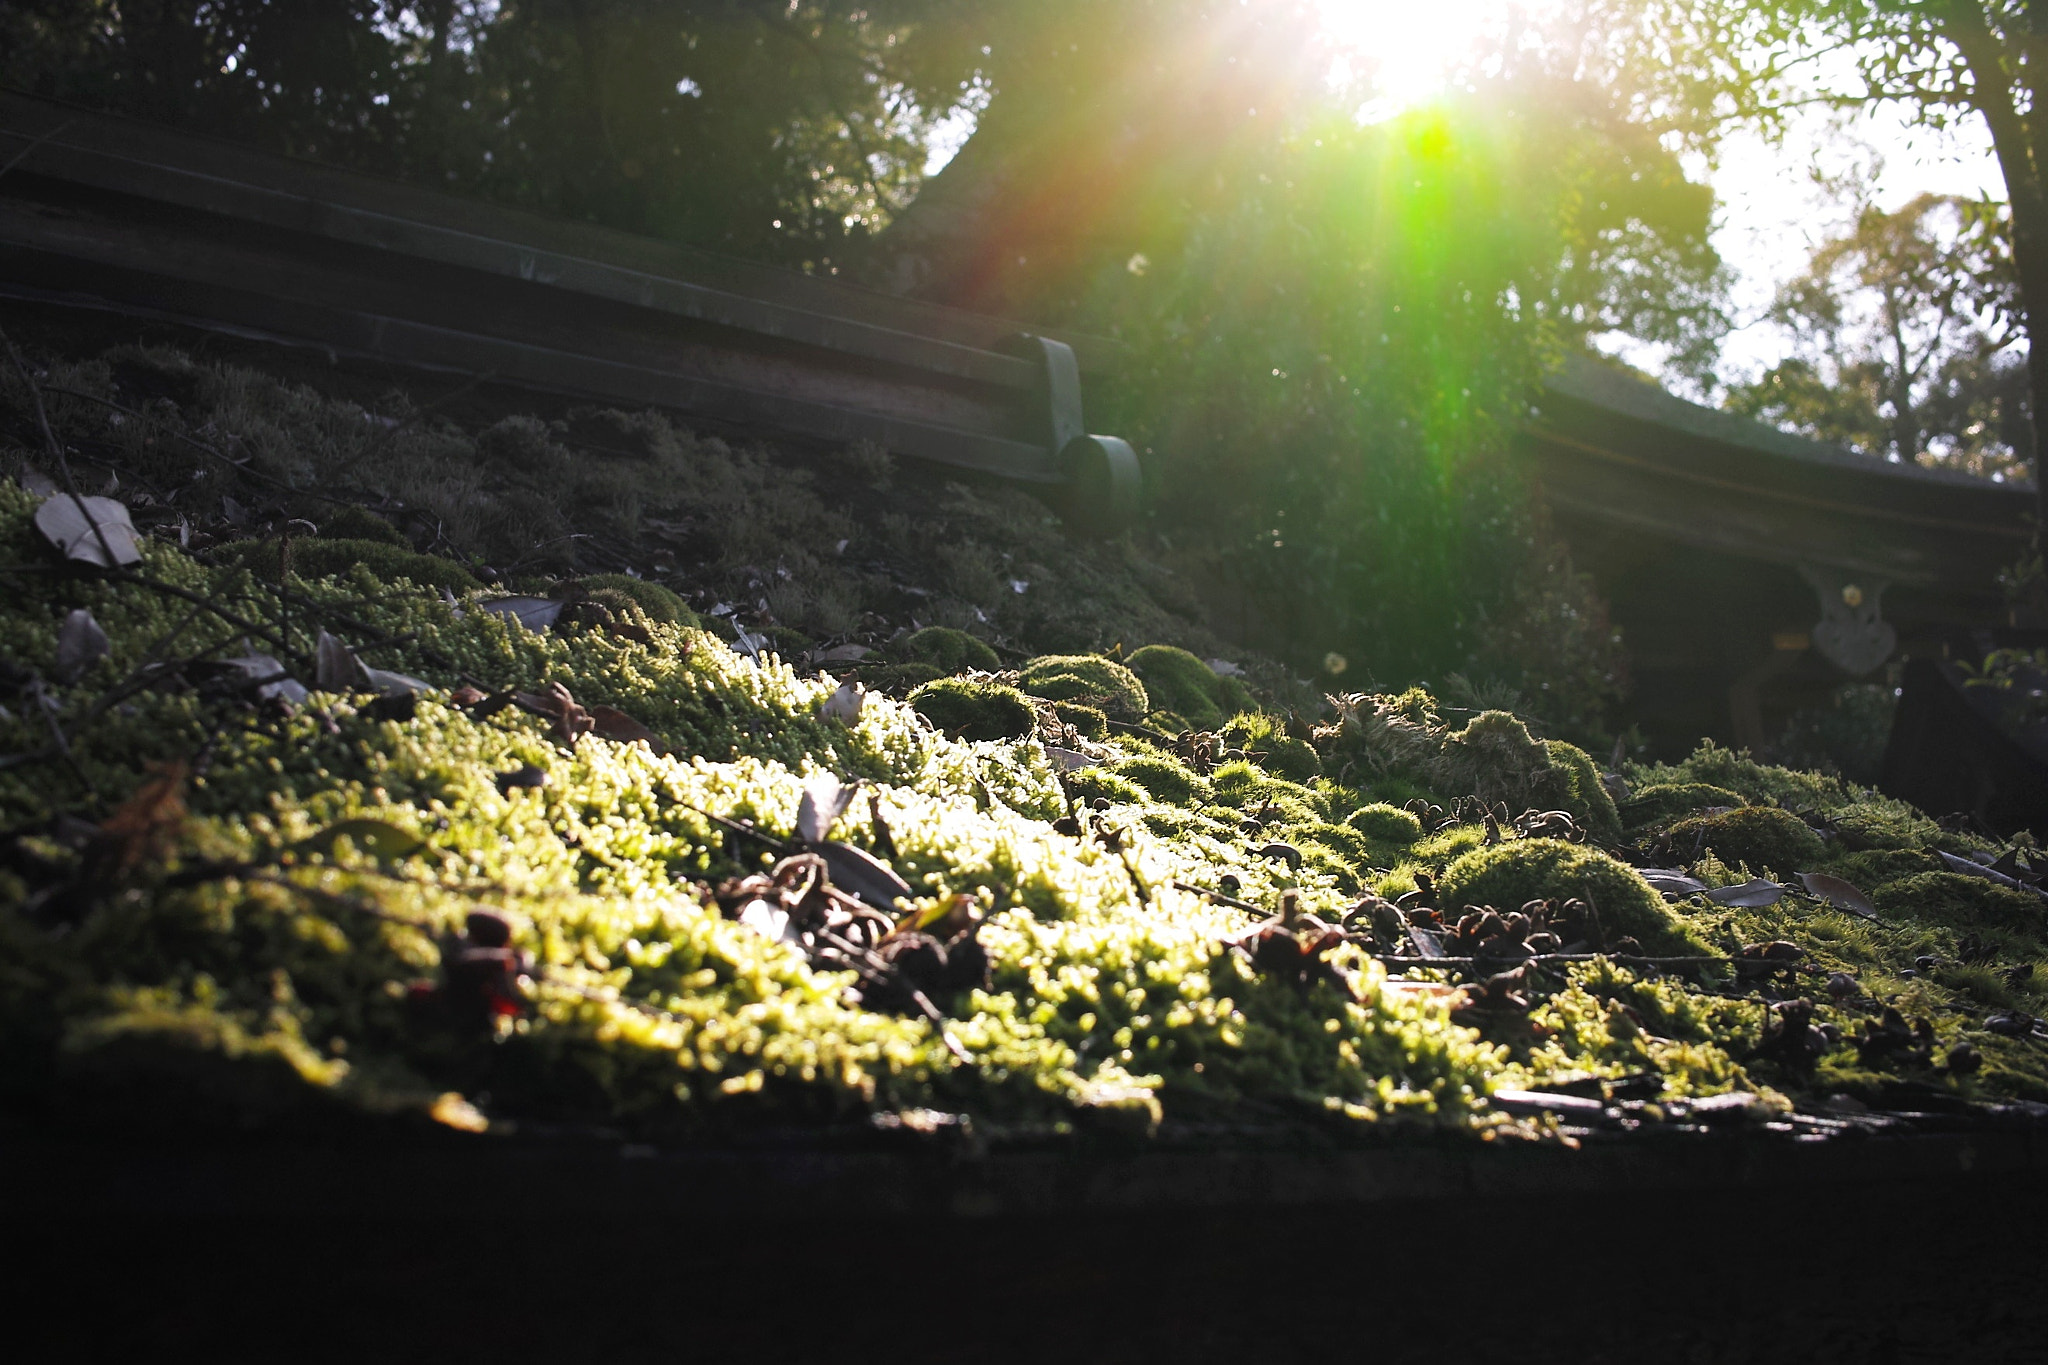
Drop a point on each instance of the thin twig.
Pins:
(41, 699)
(1541, 959)
(867, 957)
(1220, 898)
(231, 618)
(56, 447)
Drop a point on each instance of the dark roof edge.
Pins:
(1591, 381)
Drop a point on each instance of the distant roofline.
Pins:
(1589, 380)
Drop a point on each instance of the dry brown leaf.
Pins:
(608, 722)
(140, 828)
(1837, 893)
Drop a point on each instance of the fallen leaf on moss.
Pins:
(93, 531)
(380, 839)
(1969, 868)
(824, 801)
(80, 644)
(1672, 882)
(535, 613)
(1751, 895)
(140, 829)
(845, 704)
(392, 684)
(335, 666)
(269, 677)
(608, 722)
(1838, 893)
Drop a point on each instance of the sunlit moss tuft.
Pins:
(1089, 678)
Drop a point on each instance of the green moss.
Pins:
(1177, 681)
(1092, 784)
(967, 709)
(1342, 840)
(656, 602)
(1508, 875)
(947, 649)
(1580, 791)
(1442, 847)
(1091, 723)
(1878, 866)
(1385, 824)
(360, 523)
(318, 558)
(1090, 679)
(1659, 802)
(1753, 781)
(1162, 778)
(1494, 757)
(1265, 739)
(1955, 898)
(655, 1014)
(897, 678)
(1762, 837)
(1247, 786)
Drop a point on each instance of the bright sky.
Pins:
(1773, 213)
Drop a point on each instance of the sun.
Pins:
(1406, 52)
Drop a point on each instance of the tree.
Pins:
(782, 129)
(1905, 335)
(1709, 62)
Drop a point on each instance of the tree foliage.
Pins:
(1905, 327)
(1331, 328)
(1707, 62)
(779, 130)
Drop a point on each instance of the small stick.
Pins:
(1543, 958)
(874, 963)
(1221, 899)
(35, 392)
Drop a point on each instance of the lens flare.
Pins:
(1404, 53)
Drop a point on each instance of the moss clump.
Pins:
(655, 602)
(1955, 898)
(1345, 842)
(1265, 740)
(1089, 722)
(1511, 874)
(1249, 787)
(1662, 801)
(1494, 758)
(1875, 867)
(1179, 682)
(1386, 824)
(1091, 679)
(947, 649)
(895, 679)
(1162, 778)
(1100, 784)
(1578, 789)
(1753, 781)
(318, 558)
(1763, 838)
(970, 709)
(360, 523)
